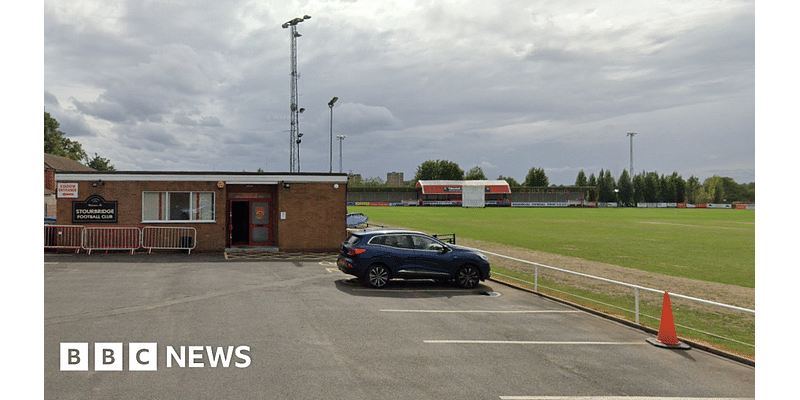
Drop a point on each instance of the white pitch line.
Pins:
(612, 398)
(487, 311)
(531, 342)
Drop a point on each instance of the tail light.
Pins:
(355, 252)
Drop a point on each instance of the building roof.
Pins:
(434, 187)
(58, 163)
(204, 176)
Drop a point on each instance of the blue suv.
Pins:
(376, 256)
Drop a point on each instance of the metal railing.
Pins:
(157, 237)
(63, 237)
(637, 291)
(129, 238)
(111, 238)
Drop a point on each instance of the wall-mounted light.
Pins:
(286, 186)
(98, 183)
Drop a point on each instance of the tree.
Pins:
(692, 189)
(439, 170)
(103, 164)
(605, 187)
(679, 186)
(638, 188)
(370, 182)
(715, 189)
(56, 144)
(581, 179)
(511, 181)
(475, 174)
(625, 187)
(652, 187)
(667, 190)
(536, 178)
(593, 193)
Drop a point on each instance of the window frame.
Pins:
(165, 209)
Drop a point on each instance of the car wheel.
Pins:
(468, 277)
(377, 276)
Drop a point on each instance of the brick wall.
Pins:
(316, 217)
(128, 195)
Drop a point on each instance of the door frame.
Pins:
(270, 225)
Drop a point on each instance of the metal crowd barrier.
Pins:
(116, 238)
(128, 238)
(63, 237)
(156, 237)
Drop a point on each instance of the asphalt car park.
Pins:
(311, 332)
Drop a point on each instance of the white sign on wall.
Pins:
(67, 190)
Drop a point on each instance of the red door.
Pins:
(250, 223)
(260, 232)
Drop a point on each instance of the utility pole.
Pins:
(294, 132)
(330, 105)
(631, 136)
(341, 139)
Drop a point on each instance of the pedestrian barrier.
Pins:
(129, 238)
(115, 238)
(63, 237)
(157, 237)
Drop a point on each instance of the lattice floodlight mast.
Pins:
(294, 131)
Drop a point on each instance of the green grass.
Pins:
(703, 244)
(692, 323)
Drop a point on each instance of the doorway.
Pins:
(250, 223)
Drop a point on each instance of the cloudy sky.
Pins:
(204, 85)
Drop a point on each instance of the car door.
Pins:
(432, 259)
(404, 261)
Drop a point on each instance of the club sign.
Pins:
(94, 209)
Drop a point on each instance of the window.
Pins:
(423, 243)
(178, 206)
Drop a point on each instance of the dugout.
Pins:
(468, 193)
(288, 212)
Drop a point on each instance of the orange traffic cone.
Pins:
(667, 337)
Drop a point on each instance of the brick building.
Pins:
(288, 212)
(53, 164)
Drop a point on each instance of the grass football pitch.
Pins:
(711, 245)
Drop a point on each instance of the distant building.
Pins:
(353, 179)
(394, 179)
(465, 193)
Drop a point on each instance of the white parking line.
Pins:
(488, 311)
(613, 398)
(531, 342)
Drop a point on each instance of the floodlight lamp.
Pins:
(333, 100)
(299, 135)
(301, 110)
(297, 34)
(306, 17)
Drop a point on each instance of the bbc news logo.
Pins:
(110, 356)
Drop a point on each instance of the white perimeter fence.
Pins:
(636, 289)
(129, 238)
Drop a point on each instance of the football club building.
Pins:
(288, 212)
